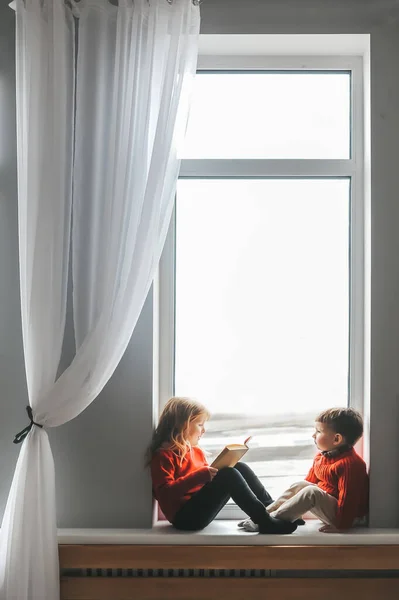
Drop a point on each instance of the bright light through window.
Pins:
(270, 115)
(261, 294)
(262, 311)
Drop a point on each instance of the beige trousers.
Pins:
(302, 497)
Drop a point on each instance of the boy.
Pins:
(336, 488)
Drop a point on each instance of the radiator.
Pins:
(228, 573)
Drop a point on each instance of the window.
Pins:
(261, 281)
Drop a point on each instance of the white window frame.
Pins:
(353, 167)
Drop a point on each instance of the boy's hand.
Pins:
(329, 529)
(212, 472)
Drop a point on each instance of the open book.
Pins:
(230, 455)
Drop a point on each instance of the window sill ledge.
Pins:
(226, 533)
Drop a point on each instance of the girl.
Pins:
(189, 491)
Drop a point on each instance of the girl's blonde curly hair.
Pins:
(173, 426)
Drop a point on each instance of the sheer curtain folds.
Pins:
(45, 89)
(97, 166)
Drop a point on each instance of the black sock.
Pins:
(272, 525)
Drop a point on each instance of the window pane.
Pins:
(270, 115)
(262, 312)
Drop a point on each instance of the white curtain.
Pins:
(97, 166)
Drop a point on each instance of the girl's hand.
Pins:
(212, 472)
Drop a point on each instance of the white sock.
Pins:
(249, 525)
(242, 523)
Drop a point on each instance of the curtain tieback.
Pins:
(22, 434)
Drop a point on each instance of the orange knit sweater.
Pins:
(174, 483)
(344, 477)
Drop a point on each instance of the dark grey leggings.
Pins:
(239, 483)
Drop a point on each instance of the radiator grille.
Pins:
(228, 573)
(176, 572)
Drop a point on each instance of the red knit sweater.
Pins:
(344, 477)
(174, 483)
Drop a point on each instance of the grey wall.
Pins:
(100, 480)
(384, 398)
(12, 374)
(297, 16)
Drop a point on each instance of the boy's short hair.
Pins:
(346, 421)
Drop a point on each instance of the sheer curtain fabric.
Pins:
(98, 133)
